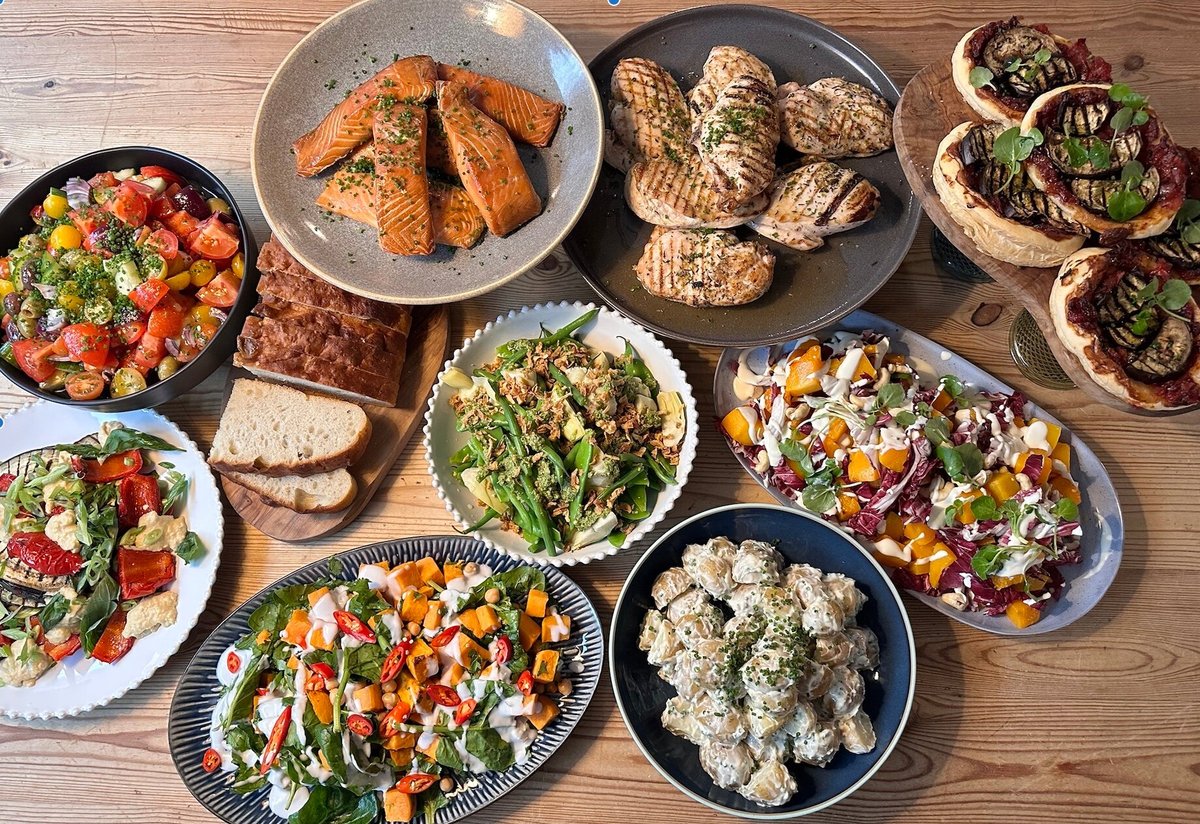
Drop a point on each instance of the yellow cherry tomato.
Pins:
(65, 237)
(238, 265)
(218, 205)
(180, 281)
(6, 286)
(55, 205)
(202, 271)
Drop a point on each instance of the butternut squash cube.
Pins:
(430, 751)
(920, 533)
(433, 617)
(1066, 488)
(370, 698)
(398, 806)
(293, 663)
(941, 401)
(860, 469)
(318, 639)
(322, 706)
(455, 674)
(402, 758)
(894, 459)
(529, 632)
(407, 574)
(297, 628)
(833, 439)
(452, 571)
(1062, 454)
(551, 623)
(803, 367)
(317, 595)
(416, 658)
(468, 649)
(547, 712)
(893, 526)
(737, 426)
(1022, 615)
(470, 622)
(489, 621)
(409, 688)
(1002, 486)
(400, 741)
(431, 572)
(848, 506)
(535, 604)
(545, 666)
(413, 606)
(939, 562)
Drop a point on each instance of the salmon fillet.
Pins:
(456, 220)
(437, 148)
(348, 124)
(487, 161)
(528, 117)
(350, 191)
(401, 187)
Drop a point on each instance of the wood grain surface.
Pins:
(1099, 722)
(391, 428)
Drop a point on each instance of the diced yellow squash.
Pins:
(489, 621)
(416, 657)
(1062, 454)
(1022, 615)
(921, 549)
(894, 459)
(547, 712)
(1053, 432)
(834, 436)
(549, 624)
(1006, 581)
(860, 469)
(470, 622)
(398, 806)
(402, 758)
(941, 560)
(400, 741)
(297, 627)
(322, 706)
(1066, 488)
(1002, 485)
(293, 663)
(919, 533)
(529, 631)
(536, 603)
(893, 526)
(427, 591)
(431, 572)
(433, 616)
(737, 425)
(804, 365)
(407, 574)
(317, 595)
(468, 648)
(262, 637)
(370, 698)
(455, 674)
(318, 639)
(848, 506)
(1022, 465)
(888, 560)
(413, 606)
(409, 688)
(384, 565)
(430, 751)
(545, 666)
(452, 571)
(941, 401)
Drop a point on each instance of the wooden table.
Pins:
(1098, 722)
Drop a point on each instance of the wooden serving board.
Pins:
(929, 108)
(391, 429)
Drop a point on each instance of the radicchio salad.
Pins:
(956, 491)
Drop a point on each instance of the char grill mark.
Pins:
(1095, 194)
(1123, 148)
(1082, 118)
(1175, 248)
(1042, 77)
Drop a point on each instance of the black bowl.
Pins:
(15, 222)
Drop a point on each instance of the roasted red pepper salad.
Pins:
(960, 493)
(348, 697)
(125, 278)
(90, 541)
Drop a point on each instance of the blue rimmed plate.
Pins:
(197, 694)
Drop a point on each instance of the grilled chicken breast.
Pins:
(487, 162)
(683, 196)
(401, 188)
(816, 200)
(725, 63)
(737, 139)
(705, 268)
(348, 124)
(648, 118)
(835, 118)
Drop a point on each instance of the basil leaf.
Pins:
(177, 490)
(486, 744)
(1124, 206)
(987, 561)
(329, 804)
(118, 440)
(514, 584)
(241, 704)
(365, 662)
(330, 745)
(447, 754)
(96, 611)
(190, 549)
(55, 610)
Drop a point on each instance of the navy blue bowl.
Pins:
(15, 222)
(801, 538)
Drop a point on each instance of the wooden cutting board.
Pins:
(391, 429)
(929, 108)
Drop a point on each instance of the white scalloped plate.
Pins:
(605, 332)
(77, 684)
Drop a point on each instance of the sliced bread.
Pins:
(275, 430)
(289, 340)
(326, 323)
(323, 492)
(315, 374)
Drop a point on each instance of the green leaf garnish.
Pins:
(981, 76)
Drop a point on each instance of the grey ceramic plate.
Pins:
(811, 289)
(499, 38)
(197, 693)
(1099, 514)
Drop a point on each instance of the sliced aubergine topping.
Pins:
(1123, 148)
(22, 580)
(1040, 78)
(977, 143)
(1119, 311)
(996, 179)
(1173, 247)
(1166, 355)
(1034, 206)
(1095, 194)
(1017, 43)
(1078, 119)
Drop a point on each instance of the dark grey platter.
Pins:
(811, 289)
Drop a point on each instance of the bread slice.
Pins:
(275, 430)
(323, 492)
(327, 323)
(263, 333)
(311, 373)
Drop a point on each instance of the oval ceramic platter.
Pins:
(810, 289)
(495, 37)
(1100, 513)
(197, 694)
(77, 685)
(802, 539)
(608, 331)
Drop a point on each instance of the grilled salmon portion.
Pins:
(401, 189)
(683, 196)
(737, 139)
(348, 124)
(456, 220)
(814, 201)
(705, 268)
(487, 161)
(528, 117)
(724, 64)
(350, 191)
(835, 118)
(648, 117)
(437, 147)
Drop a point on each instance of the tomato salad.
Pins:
(123, 280)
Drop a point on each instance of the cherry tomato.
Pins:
(213, 239)
(233, 662)
(353, 626)
(112, 643)
(61, 651)
(444, 637)
(6, 481)
(416, 783)
(143, 189)
(42, 554)
(85, 386)
(389, 725)
(180, 222)
(146, 295)
(504, 649)
(104, 180)
(163, 172)
(211, 761)
(393, 665)
(221, 291)
(112, 468)
(322, 669)
(275, 742)
(149, 353)
(442, 695)
(131, 331)
(137, 495)
(464, 711)
(360, 725)
(164, 243)
(87, 343)
(525, 682)
(32, 356)
(141, 572)
(165, 322)
(128, 204)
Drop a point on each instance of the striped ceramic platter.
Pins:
(198, 691)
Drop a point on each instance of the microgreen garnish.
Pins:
(1095, 153)
(1128, 203)
(981, 76)
(1027, 67)
(1133, 108)
(1169, 297)
(1012, 147)
(1187, 222)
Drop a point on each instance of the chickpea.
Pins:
(389, 686)
(414, 629)
(446, 784)
(492, 596)
(389, 700)
(331, 684)
(564, 687)
(471, 568)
